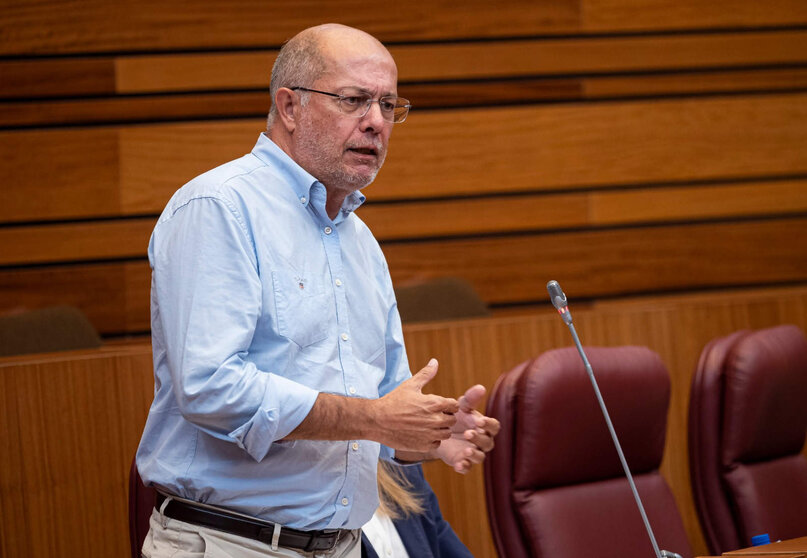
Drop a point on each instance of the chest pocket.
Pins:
(302, 307)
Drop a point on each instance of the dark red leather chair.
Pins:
(141, 502)
(747, 424)
(554, 485)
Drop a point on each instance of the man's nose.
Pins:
(373, 120)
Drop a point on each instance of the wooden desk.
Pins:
(791, 547)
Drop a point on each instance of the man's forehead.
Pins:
(370, 76)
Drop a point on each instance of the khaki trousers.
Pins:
(170, 538)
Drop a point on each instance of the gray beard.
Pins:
(331, 173)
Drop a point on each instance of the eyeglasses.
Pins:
(357, 104)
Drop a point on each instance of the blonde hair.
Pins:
(396, 498)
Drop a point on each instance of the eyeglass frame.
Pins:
(369, 102)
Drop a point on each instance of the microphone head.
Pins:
(556, 295)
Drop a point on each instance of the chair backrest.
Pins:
(58, 328)
(747, 424)
(554, 484)
(141, 502)
(442, 298)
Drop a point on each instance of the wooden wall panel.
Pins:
(427, 95)
(505, 270)
(96, 26)
(44, 77)
(428, 219)
(572, 146)
(82, 241)
(70, 428)
(623, 147)
(71, 422)
(689, 83)
(128, 110)
(432, 62)
(609, 263)
(135, 169)
(592, 55)
(114, 296)
(530, 212)
(668, 14)
(74, 174)
(138, 25)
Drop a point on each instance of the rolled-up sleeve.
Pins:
(208, 291)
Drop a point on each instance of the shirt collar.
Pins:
(300, 180)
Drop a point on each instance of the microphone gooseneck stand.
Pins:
(559, 302)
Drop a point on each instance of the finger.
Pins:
(490, 425)
(462, 466)
(442, 433)
(480, 439)
(442, 421)
(425, 374)
(474, 455)
(493, 426)
(445, 405)
(472, 397)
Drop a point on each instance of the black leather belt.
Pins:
(309, 541)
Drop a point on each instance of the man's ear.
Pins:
(287, 103)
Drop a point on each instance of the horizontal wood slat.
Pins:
(129, 170)
(670, 14)
(571, 146)
(128, 238)
(48, 113)
(114, 296)
(621, 262)
(441, 62)
(504, 270)
(205, 106)
(136, 25)
(65, 242)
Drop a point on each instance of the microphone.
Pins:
(559, 301)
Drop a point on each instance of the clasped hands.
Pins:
(423, 426)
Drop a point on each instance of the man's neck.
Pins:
(333, 203)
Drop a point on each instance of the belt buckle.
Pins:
(323, 540)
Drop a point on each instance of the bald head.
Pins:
(318, 51)
(315, 73)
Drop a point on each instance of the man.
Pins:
(280, 370)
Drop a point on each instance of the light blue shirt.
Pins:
(259, 301)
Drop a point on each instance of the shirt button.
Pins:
(344, 337)
(352, 390)
(338, 282)
(355, 446)
(303, 200)
(344, 501)
(328, 230)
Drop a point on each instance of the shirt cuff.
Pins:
(286, 403)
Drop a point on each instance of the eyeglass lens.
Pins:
(393, 109)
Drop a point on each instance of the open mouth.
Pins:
(367, 151)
